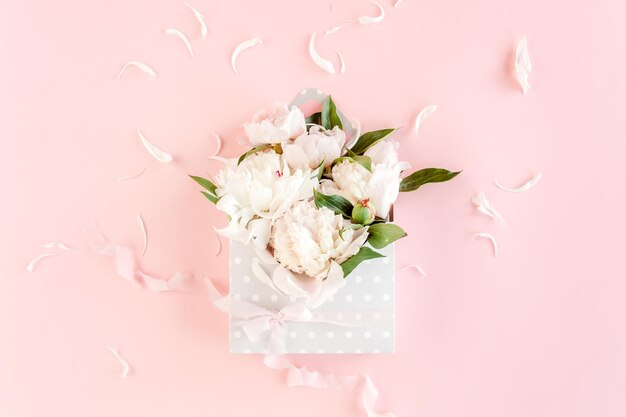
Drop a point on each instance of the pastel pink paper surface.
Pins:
(538, 331)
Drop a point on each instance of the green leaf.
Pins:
(382, 234)
(364, 161)
(205, 183)
(368, 139)
(329, 117)
(314, 119)
(363, 254)
(320, 170)
(336, 203)
(213, 199)
(424, 176)
(253, 151)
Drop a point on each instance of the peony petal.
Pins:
(242, 47)
(323, 63)
(137, 64)
(484, 206)
(523, 66)
(144, 234)
(199, 17)
(218, 139)
(427, 111)
(124, 364)
(57, 245)
(180, 35)
(131, 176)
(524, 187)
(158, 154)
(225, 161)
(397, 3)
(367, 20)
(32, 264)
(491, 238)
(219, 243)
(333, 29)
(343, 63)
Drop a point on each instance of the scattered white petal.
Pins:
(523, 65)
(159, 155)
(57, 245)
(367, 20)
(323, 63)
(397, 3)
(219, 243)
(180, 35)
(32, 264)
(218, 139)
(427, 111)
(524, 187)
(491, 238)
(124, 364)
(225, 161)
(199, 17)
(140, 65)
(416, 267)
(242, 47)
(484, 206)
(131, 176)
(333, 30)
(343, 63)
(144, 234)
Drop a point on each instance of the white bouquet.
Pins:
(314, 202)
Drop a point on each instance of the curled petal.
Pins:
(199, 17)
(368, 20)
(524, 187)
(489, 236)
(180, 35)
(242, 47)
(137, 64)
(158, 154)
(523, 65)
(323, 63)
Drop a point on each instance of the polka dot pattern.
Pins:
(365, 302)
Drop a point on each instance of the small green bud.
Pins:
(363, 212)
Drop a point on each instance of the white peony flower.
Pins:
(306, 251)
(278, 125)
(319, 144)
(306, 239)
(381, 186)
(261, 188)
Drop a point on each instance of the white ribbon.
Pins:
(259, 324)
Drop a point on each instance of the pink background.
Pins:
(537, 331)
